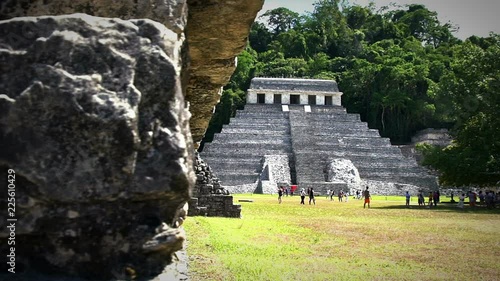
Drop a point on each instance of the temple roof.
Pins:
(294, 84)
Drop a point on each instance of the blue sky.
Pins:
(474, 17)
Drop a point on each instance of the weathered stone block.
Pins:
(94, 119)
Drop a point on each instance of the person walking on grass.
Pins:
(461, 200)
(436, 197)
(421, 199)
(366, 195)
(302, 196)
(430, 199)
(327, 193)
(331, 194)
(280, 194)
(407, 199)
(311, 196)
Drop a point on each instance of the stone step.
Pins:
(237, 179)
(418, 180)
(263, 114)
(298, 125)
(265, 121)
(255, 131)
(362, 165)
(254, 167)
(248, 145)
(231, 137)
(343, 141)
(321, 187)
(262, 141)
(230, 155)
(260, 126)
(257, 151)
(317, 108)
(263, 107)
(358, 155)
(406, 171)
(328, 118)
(347, 150)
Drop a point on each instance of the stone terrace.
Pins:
(311, 140)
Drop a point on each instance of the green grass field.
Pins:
(343, 241)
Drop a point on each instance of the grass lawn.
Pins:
(343, 241)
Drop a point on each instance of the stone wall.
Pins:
(209, 197)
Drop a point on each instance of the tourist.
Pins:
(481, 197)
(331, 194)
(461, 200)
(341, 194)
(302, 196)
(286, 191)
(430, 199)
(421, 199)
(358, 194)
(407, 199)
(490, 199)
(436, 197)
(327, 193)
(311, 196)
(280, 194)
(472, 199)
(346, 195)
(366, 195)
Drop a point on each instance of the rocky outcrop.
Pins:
(171, 13)
(343, 170)
(217, 32)
(94, 125)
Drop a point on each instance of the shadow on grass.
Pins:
(444, 207)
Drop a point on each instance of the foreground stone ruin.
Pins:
(311, 137)
(95, 123)
(209, 197)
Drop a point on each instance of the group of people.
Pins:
(341, 195)
(488, 199)
(330, 193)
(434, 198)
(310, 193)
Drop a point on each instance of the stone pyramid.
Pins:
(278, 139)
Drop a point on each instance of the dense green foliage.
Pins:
(400, 69)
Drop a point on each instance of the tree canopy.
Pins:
(400, 68)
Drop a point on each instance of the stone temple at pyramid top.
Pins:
(294, 91)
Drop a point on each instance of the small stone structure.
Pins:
(209, 197)
(294, 91)
(438, 137)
